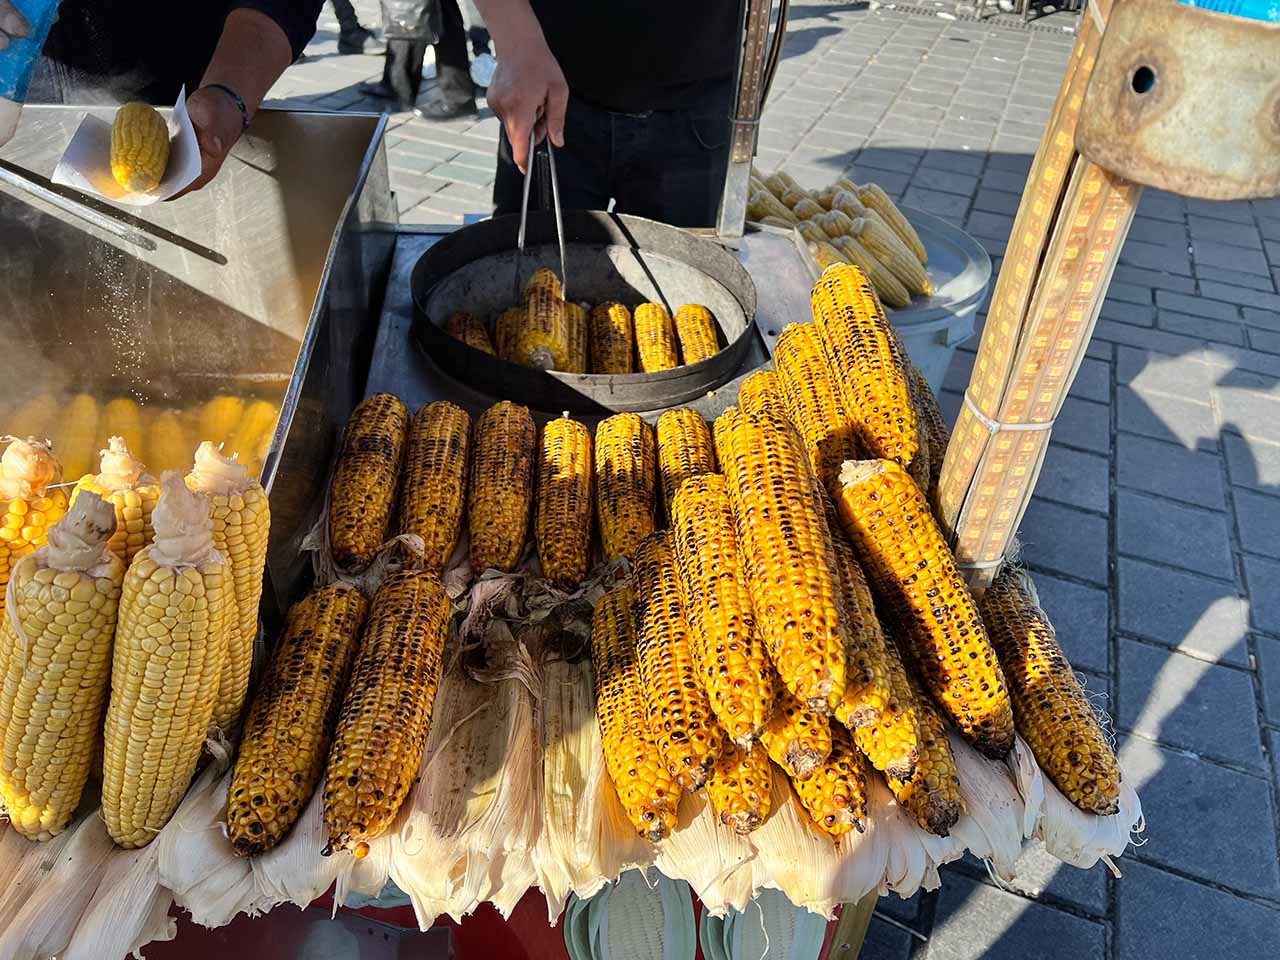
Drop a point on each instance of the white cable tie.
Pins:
(995, 426)
(979, 564)
(1098, 20)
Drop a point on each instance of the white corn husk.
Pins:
(992, 828)
(714, 861)
(617, 844)
(130, 909)
(361, 880)
(294, 870)
(24, 866)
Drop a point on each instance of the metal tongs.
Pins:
(524, 211)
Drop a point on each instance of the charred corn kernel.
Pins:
(219, 417)
(847, 202)
(835, 223)
(885, 245)
(893, 743)
(575, 315)
(625, 467)
(915, 575)
(836, 794)
(563, 514)
(760, 394)
(780, 182)
(1049, 706)
(876, 199)
(888, 288)
(167, 443)
(813, 402)
(139, 147)
(241, 519)
(505, 327)
(932, 795)
(544, 278)
(175, 609)
(291, 719)
(697, 332)
(122, 418)
(866, 663)
(739, 788)
(805, 209)
(655, 338)
(812, 231)
(436, 458)
(124, 483)
(684, 450)
(935, 428)
(77, 442)
(55, 668)
(36, 417)
(386, 712)
(869, 367)
(796, 738)
(613, 338)
(500, 491)
(363, 492)
(467, 328)
(786, 550)
(762, 204)
(543, 339)
(647, 791)
(732, 662)
(28, 507)
(253, 434)
(825, 255)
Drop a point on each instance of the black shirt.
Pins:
(632, 56)
(146, 49)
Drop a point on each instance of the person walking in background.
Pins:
(352, 37)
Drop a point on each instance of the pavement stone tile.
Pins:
(1205, 618)
(1236, 210)
(1257, 281)
(1269, 676)
(1179, 789)
(952, 160)
(885, 942)
(1140, 314)
(947, 181)
(1195, 306)
(1258, 520)
(1013, 163)
(993, 225)
(1162, 207)
(1188, 703)
(997, 201)
(1093, 381)
(1265, 340)
(1075, 478)
(1151, 256)
(1154, 528)
(906, 911)
(1154, 279)
(1169, 470)
(949, 205)
(473, 175)
(1153, 230)
(1084, 424)
(1079, 617)
(1037, 873)
(1162, 915)
(1222, 331)
(1188, 376)
(1166, 418)
(1241, 295)
(1128, 293)
(1210, 229)
(1247, 411)
(1066, 540)
(1269, 227)
(1252, 462)
(1264, 599)
(1258, 317)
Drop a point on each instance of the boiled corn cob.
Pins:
(794, 196)
(124, 483)
(167, 443)
(28, 507)
(888, 287)
(291, 719)
(562, 518)
(773, 221)
(866, 670)
(796, 738)
(836, 794)
(468, 329)
(613, 338)
(836, 223)
(219, 417)
(436, 457)
(505, 327)
(122, 418)
(576, 319)
(825, 255)
(812, 232)
(647, 791)
(684, 450)
(252, 436)
(500, 490)
(139, 147)
(1049, 706)
(542, 341)
(55, 663)
(656, 344)
(935, 428)
(915, 575)
(761, 204)
(805, 208)
(241, 518)
(885, 245)
(77, 443)
(36, 417)
(844, 183)
(893, 742)
(760, 394)
(825, 196)
(739, 788)
(544, 278)
(876, 199)
(786, 549)
(696, 330)
(779, 182)
(932, 795)
(847, 202)
(362, 494)
(176, 608)
(386, 713)
(625, 480)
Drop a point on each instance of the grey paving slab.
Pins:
(1066, 540)
(1153, 528)
(1166, 418)
(1222, 331)
(1155, 279)
(1244, 296)
(1121, 311)
(1075, 478)
(1083, 424)
(1262, 575)
(1205, 618)
(1231, 257)
(1079, 617)
(1169, 470)
(1197, 306)
(1258, 521)
(1249, 411)
(1252, 462)
(1268, 655)
(1266, 340)
(1189, 703)
(1254, 280)
(885, 942)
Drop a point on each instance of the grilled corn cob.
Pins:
(436, 458)
(932, 795)
(241, 519)
(761, 204)
(866, 670)
(55, 662)
(386, 712)
(836, 794)
(291, 719)
(575, 315)
(760, 394)
(253, 435)
(887, 517)
(625, 464)
(505, 327)
(888, 288)
(175, 610)
(684, 450)
(543, 339)
(77, 443)
(167, 443)
(739, 788)
(563, 513)
(935, 428)
(1049, 706)
(655, 338)
(613, 338)
(796, 738)
(544, 278)
(35, 418)
(28, 508)
(363, 492)
(876, 199)
(825, 255)
(125, 484)
(219, 417)
(786, 550)
(468, 329)
(885, 245)
(805, 208)
(139, 147)
(122, 418)
(500, 491)
(893, 742)
(696, 331)
(646, 789)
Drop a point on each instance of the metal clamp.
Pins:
(524, 213)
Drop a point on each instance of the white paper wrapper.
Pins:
(86, 163)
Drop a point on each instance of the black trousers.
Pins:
(665, 165)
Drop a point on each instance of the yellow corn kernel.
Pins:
(613, 339)
(124, 483)
(762, 204)
(362, 494)
(836, 794)
(466, 328)
(167, 443)
(36, 417)
(28, 506)
(500, 491)
(760, 394)
(575, 317)
(847, 202)
(876, 199)
(780, 182)
(505, 328)
(825, 255)
(122, 417)
(893, 742)
(218, 419)
(436, 457)
(796, 738)
(739, 788)
(697, 332)
(139, 147)
(804, 208)
(655, 338)
(888, 288)
(77, 441)
(866, 670)
(883, 244)
(935, 429)
(812, 231)
(684, 450)
(932, 795)
(563, 514)
(544, 278)
(625, 467)
(543, 339)
(253, 435)
(825, 196)
(835, 223)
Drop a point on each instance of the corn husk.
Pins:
(294, 870)
(714, 861)
(129, 910)
(24, 865)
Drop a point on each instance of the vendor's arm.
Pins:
(528, 88)
(259, 40)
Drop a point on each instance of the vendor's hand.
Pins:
(529, 91)
(13, 25)
(218, 124)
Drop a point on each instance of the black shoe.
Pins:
(354, 41)
(438, 109)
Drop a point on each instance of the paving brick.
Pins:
(1264, 599)
(1178, 789)
(1265, 340)
(1138, 314)
(1258, 520)
(1258, 317)
(1252, 462)
(969, 911)
(984, 224)
(1188, 376)
(1195, 306)
(1241, 295)
(1093, 381)
(1079, 617)
(1075, 478)
(1066, 540)
(1234, 210)
(1269, 676)
(932, 177)
(1209, 229)
(949, 205)
(1153, 528)
(1129, 293)
(1162, 206)
(1151, 256)
(1083, 424)
(1204, 618)
(1166, 418)
(1224, 275)
(1154, 278)
(1162, 915)
(1169, 470)
(1245, 409)
(1188, 703)
(1038, 872)
(885, 942)
(1221, 331)
(1152, 230)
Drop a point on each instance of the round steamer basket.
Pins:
(607, 257)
